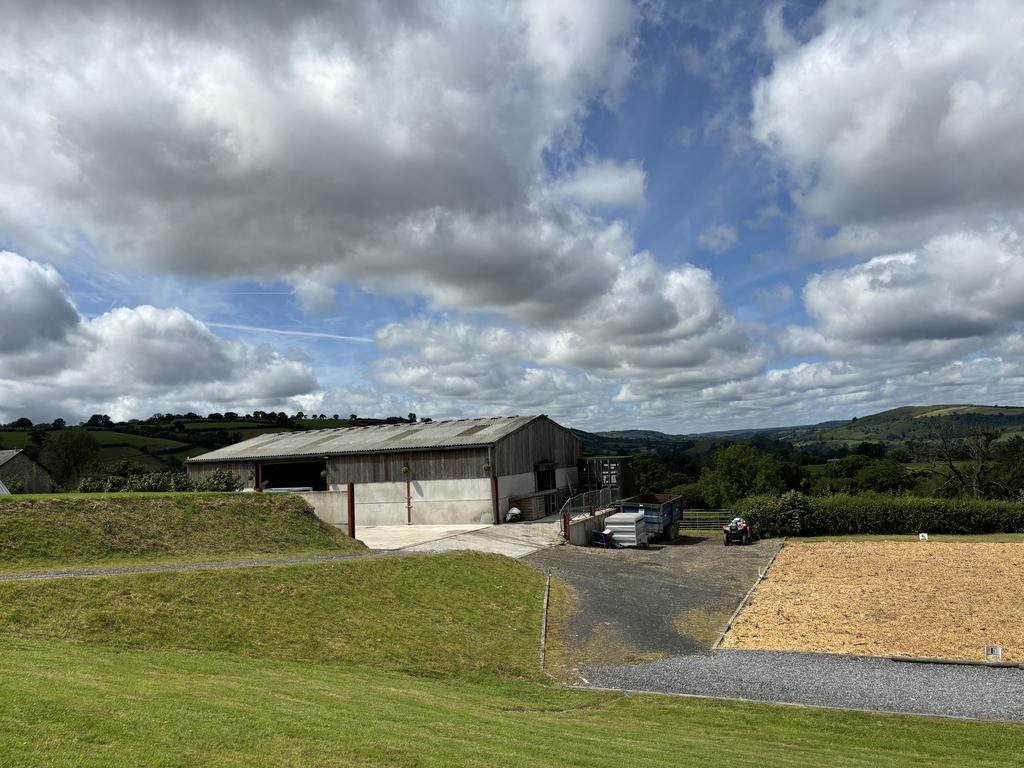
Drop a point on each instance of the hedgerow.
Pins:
(794, 514)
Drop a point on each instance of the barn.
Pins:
(19, 472)
(438, 472)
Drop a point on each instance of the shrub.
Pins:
(219, 480)
(794, 514)
(136, 482)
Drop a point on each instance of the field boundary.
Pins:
(216, 565)
(544, 621)
(761, 576)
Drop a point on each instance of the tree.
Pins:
(731, 475)
(741, 470)
(59, 423)
(412, 418)
(964, 463)
(22, 423)
(68, 453)
(99, 420)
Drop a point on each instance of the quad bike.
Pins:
(737, 532)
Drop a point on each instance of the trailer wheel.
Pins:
(672, 531)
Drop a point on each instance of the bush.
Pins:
(137, 482)
(219, 480)
(873, 513)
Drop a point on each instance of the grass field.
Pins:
(392, 661)
(95, 707)
(887, 598)
(458, 614)
(39, 532)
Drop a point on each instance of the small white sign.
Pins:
(993, 653)
(923, 536)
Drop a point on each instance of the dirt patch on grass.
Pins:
(702, 624)
(923, 599)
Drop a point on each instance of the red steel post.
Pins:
(350, 495)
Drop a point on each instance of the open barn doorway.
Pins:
(294, 474)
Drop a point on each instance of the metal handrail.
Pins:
(581, 502)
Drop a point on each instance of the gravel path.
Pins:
(72, 573)
(669, 599)
(847, 682)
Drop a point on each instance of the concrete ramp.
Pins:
(512, 539)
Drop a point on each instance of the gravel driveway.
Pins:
(850, 682)
(669, 599)
(645, 621)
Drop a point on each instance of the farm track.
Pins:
(218, 565)
(828, 680)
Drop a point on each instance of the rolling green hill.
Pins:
(920, 423)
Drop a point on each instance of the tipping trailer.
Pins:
(662, 512)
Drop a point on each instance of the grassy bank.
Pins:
(463, 613)
(160, 709)
(88, 529)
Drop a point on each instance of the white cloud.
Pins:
(897, 120)
(958, 286)
(718, 238)
(606, 183)
(35, 307)
(655, 334)
(130, 362)
(389, 143)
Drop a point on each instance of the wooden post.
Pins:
(494, 500)
(350, 494)
(565, 525)
(408, 502)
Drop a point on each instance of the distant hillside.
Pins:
(909, 423)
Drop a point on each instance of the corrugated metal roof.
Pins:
(458, 433)
(6, 456)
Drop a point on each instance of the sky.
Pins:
(682, 216)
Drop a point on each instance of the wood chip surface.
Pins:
(922, 599)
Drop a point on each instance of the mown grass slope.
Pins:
(85, 529)
(456, 614)
(100, 708)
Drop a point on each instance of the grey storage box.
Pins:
(628, 528)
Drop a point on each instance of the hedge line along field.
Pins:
(883, 598)
(794, 514)
(38, 532)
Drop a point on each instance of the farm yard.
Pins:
(400, 660)
(884, 598)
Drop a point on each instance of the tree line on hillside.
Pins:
(979, 464)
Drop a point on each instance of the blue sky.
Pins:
(681, 216)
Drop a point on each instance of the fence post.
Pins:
(350, 498)
(565, 525)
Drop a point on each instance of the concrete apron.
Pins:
(512, 539)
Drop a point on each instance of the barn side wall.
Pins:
(453, 464)
(33, 478)
(539, 441)
(432, 502)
